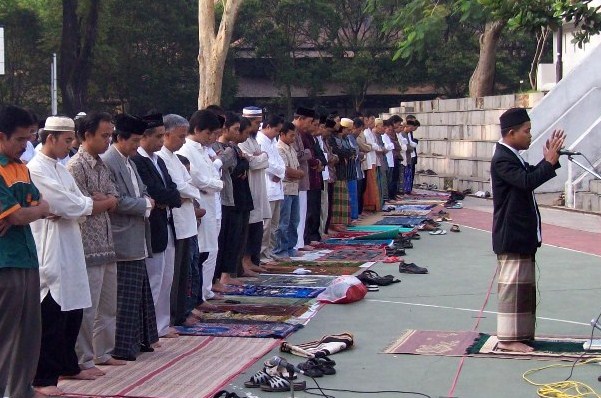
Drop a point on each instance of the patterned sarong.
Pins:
(382, 184)
(371, 196)
(517, 297)
(340, 204)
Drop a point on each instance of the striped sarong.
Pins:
(382, 184)
(371, 196)
(340, 204)
(517, 297)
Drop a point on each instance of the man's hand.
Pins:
(113, 202)
(276, 179)
(99, 196)
(151, 202)
(199, 212)
(4, 226)
(44, 208)
(553, 145)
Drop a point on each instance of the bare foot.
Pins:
(114, 362)
(250, 273)
(85, 374)
(49, 391)
(514, 346)
(156, 345)
(170, 335)
(219, 287)
(215, 296)
(94, 371)
(228, 280)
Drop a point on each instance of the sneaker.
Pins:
(412, 268)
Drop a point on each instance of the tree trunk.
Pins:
(77, 45)
(541, 40)
(212, 50)
(482, 81)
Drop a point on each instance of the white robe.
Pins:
(277, 168)
(256, 180)
(59, 245)
(206, 179)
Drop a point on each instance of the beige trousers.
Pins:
(269, 227)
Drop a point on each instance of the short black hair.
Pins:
(244, 123)
(230, 119)
(90, 123)
(216, 109)
(204, 120)
(274, 120)
(395, 119)
(387, 123)
(287, 127)
(358, 122)
(13, 117)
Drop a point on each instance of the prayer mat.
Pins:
(294, 280)
(274, 291)
(256, 309)
(327, 345)
(356, 253)
(186, 367)
(379, 228)
(229, 315)
(432, 342)
(561, 348)
(321, 269)
(421, 201)
(262, 300)
(413, 207)
(403, 221)
(408, 213)
(318, 264)
(233, 328)
(354, 242)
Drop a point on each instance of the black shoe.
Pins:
(146, 348)
(411, 268)
(130, 359)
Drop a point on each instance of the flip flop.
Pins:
(438, 232)
(455, 228)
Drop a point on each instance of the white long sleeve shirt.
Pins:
(58, 241)
(276, 168)
(184, 218)
(207, 180)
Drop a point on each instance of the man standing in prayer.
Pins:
(154, 174)
(303, 121)
(20, 204)
(286, 234)
(184, 221)
(315, 163)
(96, 338)
(64, 287)
(516, 231)
(258, 162)
(274, 174)
(136, 322)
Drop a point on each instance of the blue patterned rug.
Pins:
(275, 291)
(274, 330)
(402, 221)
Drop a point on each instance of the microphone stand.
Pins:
(585, 168)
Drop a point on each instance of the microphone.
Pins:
(569, 153)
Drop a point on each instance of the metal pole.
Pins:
(559, 64)
(53, 88)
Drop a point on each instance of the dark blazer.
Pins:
(515, 224)
(165, 195)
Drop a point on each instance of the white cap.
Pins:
(252, 111)
(59, 123)
(346, 122)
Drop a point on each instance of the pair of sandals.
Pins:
(317, 367)
(226, 394)
(275, 377)
(438, 231)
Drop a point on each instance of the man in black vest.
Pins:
(516, 231)
(154, 174)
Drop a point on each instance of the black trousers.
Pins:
(361, 186)
(179, 288)
(253, 242)
(330, 205)
(59, 334)
(313, 216)
(231, 240)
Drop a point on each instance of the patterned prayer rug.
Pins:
(409, 213)
(229, 315)
(471, 343)
(355, 253)
(545, 348)
(186, 367)
(274, 291)
(354, 242)
(432, 342)
(414, 207)
(256, 309)
(403, 221)
(234, 328)
(263, 300)
(293, 280)
(315, 268)
(380, 228)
